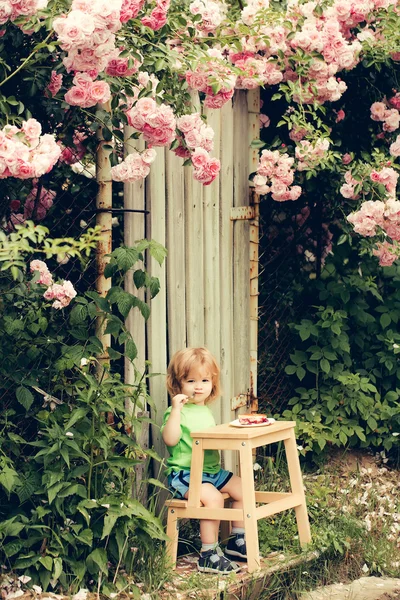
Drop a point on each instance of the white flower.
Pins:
(81, 595)
(365, 568)
(106, 505)
(82, 224)
(69, 434)
(300, 448)
(84, 362)
(37, 589)
(24, 578)
(395, 434)
(257, 467)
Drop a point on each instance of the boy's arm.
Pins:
(171, 433)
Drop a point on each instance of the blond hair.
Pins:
(183, 361)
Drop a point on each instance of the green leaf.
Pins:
(24, 397)
(8, 478)
(290, 369)
(125, 257)
(130, 349)
(99, 558)
(58, 568)
(372, 423)
(385, 320)
(257, 144)
(125, 302)
(109, 522)
(325, 366)
(47, 562)
(300, 372)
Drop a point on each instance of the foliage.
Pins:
(66, 468)
(346, 357)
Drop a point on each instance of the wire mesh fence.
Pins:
(292, 247)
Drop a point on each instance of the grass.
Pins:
(354, 508)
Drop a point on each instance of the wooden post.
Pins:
(104, 245)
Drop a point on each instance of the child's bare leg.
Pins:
(234, 489)
(211, 498)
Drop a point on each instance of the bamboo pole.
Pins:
(104, 245)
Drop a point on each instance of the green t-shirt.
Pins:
(193, 418)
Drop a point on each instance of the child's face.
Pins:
(198, 383)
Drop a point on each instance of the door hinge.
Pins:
(242, 213)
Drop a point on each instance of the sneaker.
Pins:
(214, 561)
(237, 547)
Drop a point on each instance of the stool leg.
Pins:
(296, 481)
(172, 533)
(249, 507)
(225, 527)
(196, 473)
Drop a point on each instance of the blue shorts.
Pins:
(178, 481)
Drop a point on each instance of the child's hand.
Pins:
(179, 401)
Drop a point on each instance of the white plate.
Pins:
(237, 423)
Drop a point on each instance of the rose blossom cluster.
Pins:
(155, 121)
(308, 154)
(11, 9)
(54, 85)
(386, 216)
(119, 65)
(87, 33)
(275, 175)
(158, 16)
(394, 148)
(387, 177)
(389, 116)
(196, 142)
(212, 14)
(72, 155)
(130, 9)
(86, 93)
(25, 153)
(215, 71)
(348, 189)
(61, 293)
(385, 251)
(135, 166)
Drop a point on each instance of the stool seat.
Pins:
(256, 505)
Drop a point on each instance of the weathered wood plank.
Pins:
(157, 323)
(253, 103)
(241, 275)
(211, 279)
(194, 238)
(226, 271)
(134, 229)
(176, 246)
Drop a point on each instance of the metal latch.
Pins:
(248, 400)
(242, 213)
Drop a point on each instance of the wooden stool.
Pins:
(244, 440)
(177, 509)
